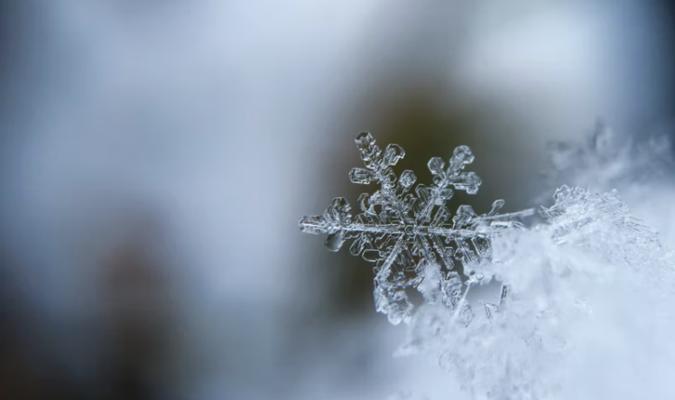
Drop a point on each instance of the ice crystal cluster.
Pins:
(639, 167)
(403, 228)
(515, 312)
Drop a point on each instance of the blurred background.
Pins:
(156, 156)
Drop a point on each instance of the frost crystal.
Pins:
(633, 165)
(406, 229)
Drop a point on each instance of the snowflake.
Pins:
(403, 228)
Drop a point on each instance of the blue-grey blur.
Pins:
(156, 156)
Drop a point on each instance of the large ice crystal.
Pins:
(405, 229)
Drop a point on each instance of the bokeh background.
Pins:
(156, 155)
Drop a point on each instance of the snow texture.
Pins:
(560, 275)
